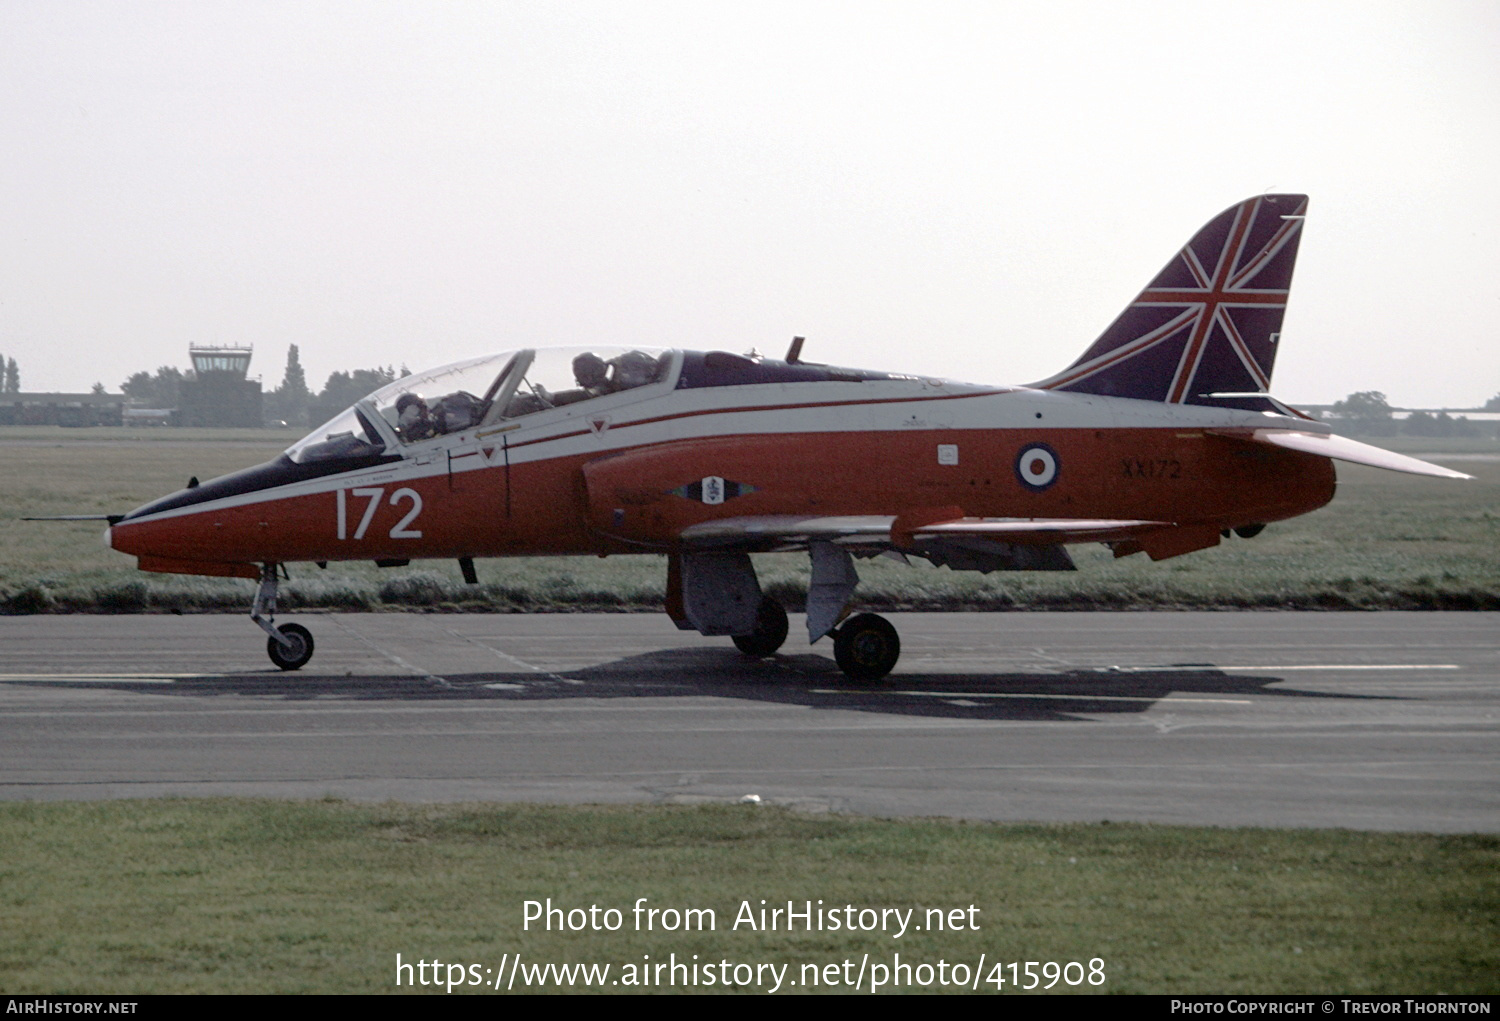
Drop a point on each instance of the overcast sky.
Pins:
(970, 190)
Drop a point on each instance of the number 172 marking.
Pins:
(373, 495)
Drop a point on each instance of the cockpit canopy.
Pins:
(480, 392)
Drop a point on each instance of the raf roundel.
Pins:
(1036, 466)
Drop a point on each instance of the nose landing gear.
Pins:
(290, 645)
(292, 649)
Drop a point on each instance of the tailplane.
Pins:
(1205, 330)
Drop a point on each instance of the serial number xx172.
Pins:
(1158, 468)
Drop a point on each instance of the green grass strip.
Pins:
(235, 896)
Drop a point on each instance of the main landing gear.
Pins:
(290, 645)
(717, 593)
(865, 646)
(770, 630)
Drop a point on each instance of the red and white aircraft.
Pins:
(1162, 438)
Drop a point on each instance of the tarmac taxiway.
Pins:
(1387, 721)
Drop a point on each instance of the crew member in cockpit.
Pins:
(413, 420)
(633, 369)
(592, 373)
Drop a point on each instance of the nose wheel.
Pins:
(290, 645)
(293, 649)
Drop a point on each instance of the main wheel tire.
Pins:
(770, 630)
(296, 655)
(866, 647)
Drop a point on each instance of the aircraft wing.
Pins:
(1342, 448)
(1007, 543)
(795, 531)
(1039, 531)
(769, 532)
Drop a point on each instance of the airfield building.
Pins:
(221, 394)
(61, 409)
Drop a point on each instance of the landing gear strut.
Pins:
(716, 593)
(290, 645)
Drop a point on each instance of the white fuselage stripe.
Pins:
(767, 409)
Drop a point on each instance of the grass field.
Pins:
(295, 897)
(1387, 541)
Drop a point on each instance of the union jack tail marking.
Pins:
(1210, 320)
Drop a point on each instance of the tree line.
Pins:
(1367, 413)
(293, 402)
(10, 376)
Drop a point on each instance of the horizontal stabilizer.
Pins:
(1342, 448)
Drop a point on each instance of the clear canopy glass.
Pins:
(477, 392)
(558, 377)
(348, 435)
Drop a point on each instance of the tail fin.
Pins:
(1205, 330)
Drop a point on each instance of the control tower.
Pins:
(235, 360)
(221, 394)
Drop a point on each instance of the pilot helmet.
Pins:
(634, 368)
(590, 370)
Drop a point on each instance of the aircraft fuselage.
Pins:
(628, 476)
(1161, 438)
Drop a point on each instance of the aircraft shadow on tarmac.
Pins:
(806, 679)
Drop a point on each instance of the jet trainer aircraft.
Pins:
(1161, 439)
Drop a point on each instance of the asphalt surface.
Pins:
(1383, 721)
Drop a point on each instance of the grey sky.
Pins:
(962, 189)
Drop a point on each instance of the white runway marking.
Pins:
(516, 660)
(104, 678)
(1014, 694)
(1197, 667)
(403, 664)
